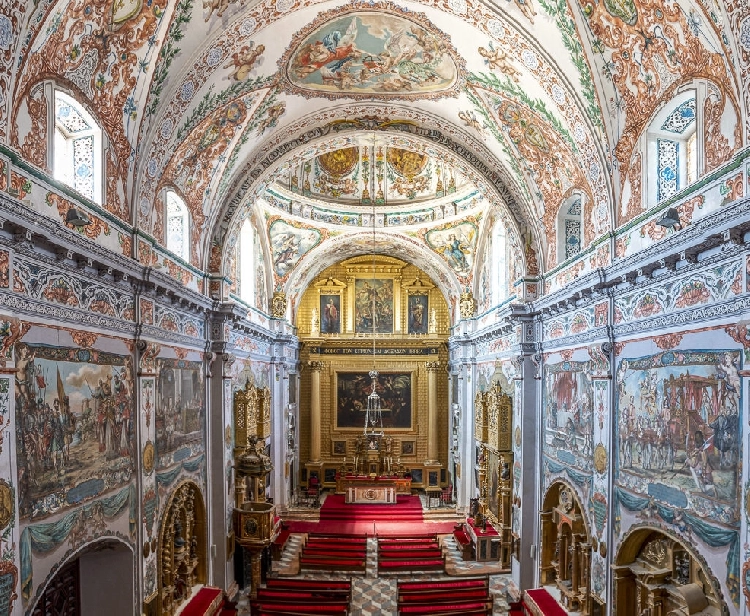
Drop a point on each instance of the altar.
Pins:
(375, 490)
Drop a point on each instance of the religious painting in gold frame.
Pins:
(396, 391)
(493, 464)
(373, 305)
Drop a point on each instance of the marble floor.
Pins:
(376, 596)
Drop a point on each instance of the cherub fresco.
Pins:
(271, 119)
(244, 60)
(498, 60)
(455, 244)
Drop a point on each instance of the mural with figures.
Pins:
(75, 439)
(372, 52)
(180, 410)
(679, 431)
(569, 417)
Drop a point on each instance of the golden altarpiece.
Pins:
(254, 528)
(493, 421)
(566, 549)
(181, 558)
(656, 574)
(362, 314)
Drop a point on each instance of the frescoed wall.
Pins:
(679, 430)
(180, 411)
(75, 440)
(568, 413)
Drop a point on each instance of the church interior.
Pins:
(384, 307)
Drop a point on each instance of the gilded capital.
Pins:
(278, 305)
(432, 366)
(467, 305)
(316, 366)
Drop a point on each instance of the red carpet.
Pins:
(407, 509)
(205, 603)
(403, 518)
(381, 529)
(541, 603)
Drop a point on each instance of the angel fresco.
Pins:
(244, 60)
(370, 52)
(455, 245)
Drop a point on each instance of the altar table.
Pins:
(378, 490)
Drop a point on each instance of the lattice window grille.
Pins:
(681, 118)
(177, 226)
(668, 181)
(572, 237)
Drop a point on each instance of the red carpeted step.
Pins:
(206, 601)
(412, 554)
(406, 586)
(457, 607)
(300, 608)
(411, 565)
(308, 584)
(543, 601)
(449, 595)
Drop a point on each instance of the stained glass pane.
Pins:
(682, 117)
(668, 182)
(83, 166)
(572, 237)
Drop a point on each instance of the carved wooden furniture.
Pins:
(566, 550)
(493, 419)
(663, 579)
(182, 542)
(254, 527)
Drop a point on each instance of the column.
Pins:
(315, 368)
(432, 411)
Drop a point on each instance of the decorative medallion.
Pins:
(148, 457)
(383, 52)
(624, 9)
(7, 505)
(406, 163)
(251, 527)
(600, 458)
(339, 162)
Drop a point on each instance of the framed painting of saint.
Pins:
(417, 314)
(373, 306)
(330, 314)
(393, 388)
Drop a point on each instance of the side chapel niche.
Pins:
(658, 575)
(493, 421)
(566, 549)
(182, 548)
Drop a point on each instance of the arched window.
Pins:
(178, 226)
(499, 263)
(569, 228)
(77, 148)
(673, 148)
(247, 263)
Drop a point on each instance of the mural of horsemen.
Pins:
(678, 425)
(75, 439)
(569, 422)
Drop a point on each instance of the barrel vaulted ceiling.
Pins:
(420, 116)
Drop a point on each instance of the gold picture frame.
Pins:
(338, 448)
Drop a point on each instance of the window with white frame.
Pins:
(178, 226)
(77, 148)
(569, 228)
(673, 145)
(247, 262)
(499, 263)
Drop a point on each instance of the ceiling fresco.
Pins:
(264, 108)
(388, 51)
